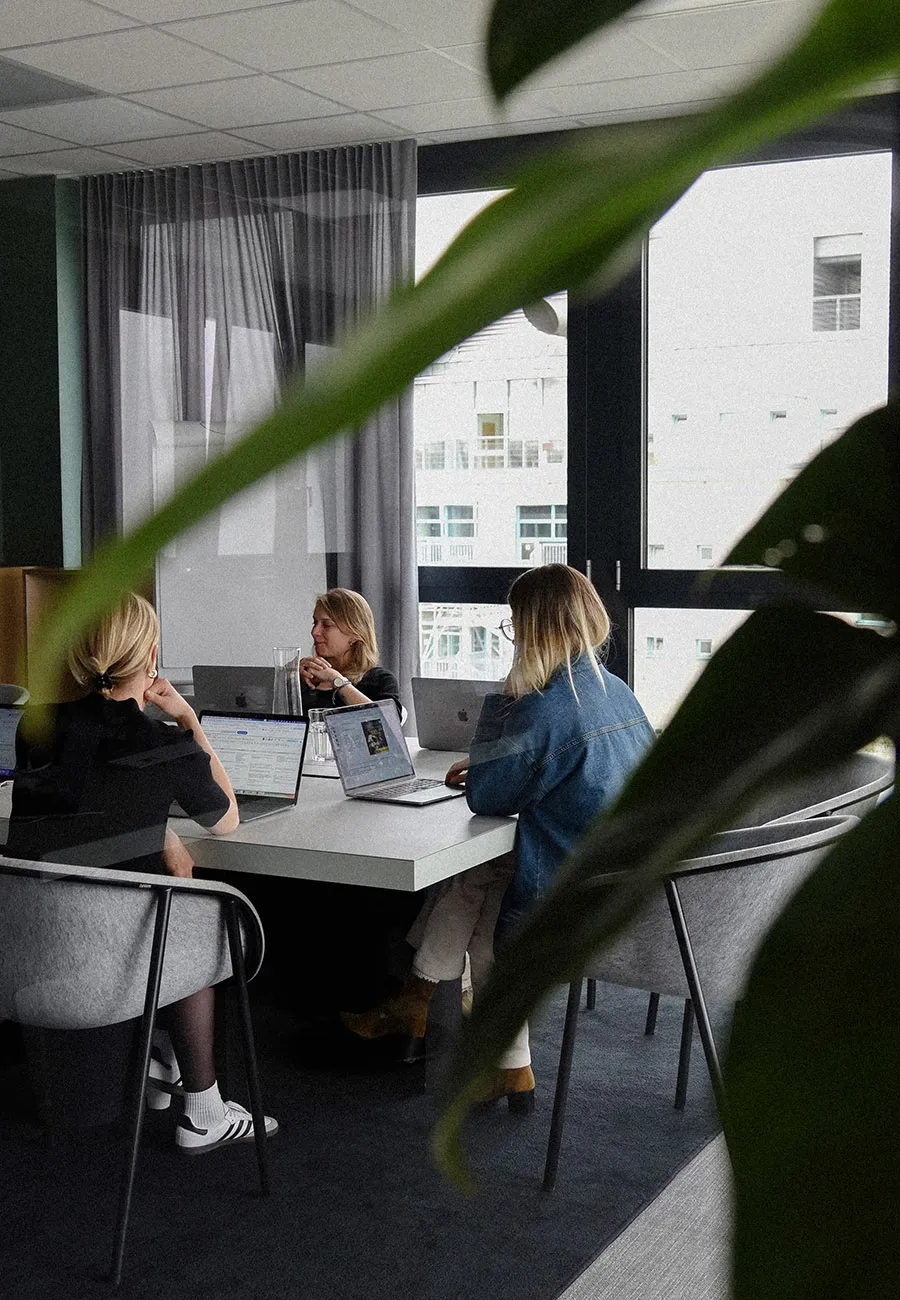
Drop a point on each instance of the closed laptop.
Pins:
(447, 710)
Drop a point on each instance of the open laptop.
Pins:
(373, 759)
(447, 710)
(240, 690)
(263, 756)
(9, 722)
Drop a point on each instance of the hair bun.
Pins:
(103, 682)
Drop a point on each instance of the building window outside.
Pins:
(445, 533)
(774, 416)
(704, 554)
(541, 534)
(837, 282)
(523, 453)
(655, 553)
(490, 449)
(655, 646)
(704, 648)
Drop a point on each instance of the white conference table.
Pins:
(331, 838)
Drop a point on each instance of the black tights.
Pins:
(190, 1026)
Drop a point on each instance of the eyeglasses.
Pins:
(506, 627)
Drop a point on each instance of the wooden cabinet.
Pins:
(25, 594)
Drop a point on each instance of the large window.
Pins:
(541, 532)
(837, 282)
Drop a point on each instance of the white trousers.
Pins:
(458, 917)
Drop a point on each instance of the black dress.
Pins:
(377, 684)
(97, 792)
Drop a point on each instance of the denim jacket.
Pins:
(556, 760)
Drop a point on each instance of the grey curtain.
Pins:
(186, 270)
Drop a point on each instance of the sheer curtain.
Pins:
(206, 288)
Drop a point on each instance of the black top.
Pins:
(97, 792)
(377, 683)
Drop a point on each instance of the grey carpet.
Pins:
(358, 1210)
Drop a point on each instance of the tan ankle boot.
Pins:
(405, 1013)
(517, 1086)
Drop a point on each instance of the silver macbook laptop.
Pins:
(373, 759)
(240, 690)
(263, 756)
(448, 709)
(9, 722)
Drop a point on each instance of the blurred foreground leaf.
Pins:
(523, 35)
(811, 1078)
(789, 693)
(570, 215)
(836, 525)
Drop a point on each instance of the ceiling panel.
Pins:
(433, 22)
(715, 37)
(244, 101)
(420, 76)
(53, 20)
(165, 11)
(203, 146)
(633, 92)
(13, 140)
(64, 162)
(140, 59)
(350, 128)
(464, 113)
(297, 35)
(97, 121)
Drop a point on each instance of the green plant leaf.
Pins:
(523, 35)
(811, 1078)
(570, 215)
(836, 527)
(787, 694)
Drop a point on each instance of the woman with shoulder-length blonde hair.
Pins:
(96, 791)
(344, 668)
(555, 747)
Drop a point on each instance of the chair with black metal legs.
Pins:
(85, 947)
(851, 787)
(699, 934)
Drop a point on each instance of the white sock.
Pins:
(205, 1109)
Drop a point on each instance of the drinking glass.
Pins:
(286, 695)
(318, 734)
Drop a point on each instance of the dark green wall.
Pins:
(40, 372)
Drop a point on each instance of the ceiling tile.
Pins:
(64, 162)
(615, 54)
(415, 78)
(738, 33)
(242, 101)
(351, 128)
(448, 115)
(140, 59)
(532, 127)
(164, 11)
(298, 35)
(633, 92)
(470, 56)
(13, 139)
(205, 146)
(433, 22)
(53, 20)
(97, 121)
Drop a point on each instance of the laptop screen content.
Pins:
(368, 745)
(262, 756)
(9, 721)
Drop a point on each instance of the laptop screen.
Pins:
(262, 755)
(368, 744)
(9, 721)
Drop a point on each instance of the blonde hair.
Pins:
(353, 615)
(117, 648)
(557, 617)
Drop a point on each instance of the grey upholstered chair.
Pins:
(84, 947)
(10, 694)
(850, 787)
(700, 932)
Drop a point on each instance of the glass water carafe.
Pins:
(286, 695)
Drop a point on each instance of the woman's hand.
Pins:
(164, 695)
(318, 673)
(456, 775)
(175, 858)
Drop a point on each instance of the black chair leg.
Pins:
(652, 1009)
(256, 1107)
(590, 1000)
(693, 982)
(684, 1056)
(563, 1076)
(151, 1002)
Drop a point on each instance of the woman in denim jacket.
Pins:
(554, 748)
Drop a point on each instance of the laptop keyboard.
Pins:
(419, 783)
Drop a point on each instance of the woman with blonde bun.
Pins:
(555, 748)
(96, 791)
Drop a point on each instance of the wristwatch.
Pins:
(338, 684)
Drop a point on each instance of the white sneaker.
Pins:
(236, 1126)
(163, 1082)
